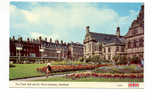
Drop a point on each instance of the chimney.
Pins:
(28, 39)
(50, 40)
(118, 32)
(40, 38)
(46, 39)
(61, 41)
(33, 40)
(20, 38)
(13, 38)
(87, 29)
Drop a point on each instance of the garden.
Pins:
(100, 72)
(90, 70)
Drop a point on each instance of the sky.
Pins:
(67, 21)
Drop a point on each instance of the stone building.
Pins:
(53, 50)
(75, 50)
(43, 50)
(109, 45)
(135, 36)
(104, 45)
(20, 49)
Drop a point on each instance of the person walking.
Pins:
(48, 70)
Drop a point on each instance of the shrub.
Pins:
(135, 59)
(95, 59)
(11, 65)
(120, 59)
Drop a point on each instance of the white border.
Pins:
(74, 94)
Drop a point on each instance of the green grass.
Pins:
(89, 79)
(24, 70)
(29, 70)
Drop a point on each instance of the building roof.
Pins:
(107, 38)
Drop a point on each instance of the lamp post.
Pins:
(41, 50)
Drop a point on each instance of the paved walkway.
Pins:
(44, 77)
(37, 78)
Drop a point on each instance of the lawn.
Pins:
(24, 70)
(29, 70)
(90, 79)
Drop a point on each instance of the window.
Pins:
(117, 49)
(141, 42)
(129, 44)
(135, 31)
(109, 49)
(109, 57)
(134, 44)
(122, 49)
(104, 50)
(90, 47)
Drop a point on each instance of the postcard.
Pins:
(76, 45)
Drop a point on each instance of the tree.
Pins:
(135, 59)
(120, 59)
(81, 59)
(116, 58)
(123, 60)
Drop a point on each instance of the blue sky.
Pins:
(67, 21)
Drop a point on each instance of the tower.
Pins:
(118, 32)
(87, 29)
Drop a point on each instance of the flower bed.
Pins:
(120, 69)
(105, 75)
(63, 68)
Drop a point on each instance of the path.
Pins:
(44, 77)
(37, 78)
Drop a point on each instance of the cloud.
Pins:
(36, 35)
(66, 23)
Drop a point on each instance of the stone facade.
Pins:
(28, 48)
(104, 45)
(41, 49)
(75, 50)
(54, 50)
(135, 36)
(110, 45)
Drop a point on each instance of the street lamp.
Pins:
(41, 50)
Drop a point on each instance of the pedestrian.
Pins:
(48, 70)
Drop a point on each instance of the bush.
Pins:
(135, 59)
(88, 59)
(11, 65)
(120, 59)
(81, 59)
(95, 59)
(120, 69)
(123, 60)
